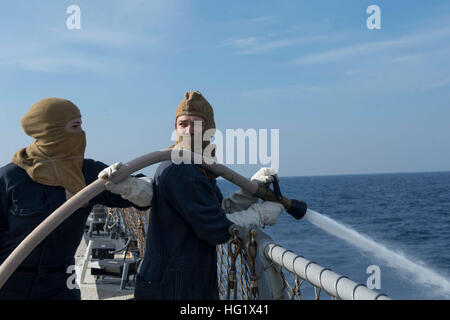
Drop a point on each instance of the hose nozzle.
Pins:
(295, 208)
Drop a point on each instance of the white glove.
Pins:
(264, 175)
(137, 190)
(241, 200)
(257, 215)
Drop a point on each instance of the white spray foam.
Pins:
(422, 274)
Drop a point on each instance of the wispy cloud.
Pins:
(407, 58)
(57, 64)
(292, 89)
(240, 43)
(105, 38)
(438, 84)
(96, 48)
(60, 55)
(256, 45)
(351, 51)
(263, 20)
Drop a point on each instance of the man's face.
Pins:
(74, 125)
(189, 125)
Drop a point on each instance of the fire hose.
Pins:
(294, 207)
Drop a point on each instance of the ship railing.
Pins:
(252, 266)
(275, 273)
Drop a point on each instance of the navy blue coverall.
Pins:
(186, 224)
(24, 204)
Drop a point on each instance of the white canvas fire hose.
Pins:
(84, 196)
(294, 207)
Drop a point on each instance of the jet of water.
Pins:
(422, 274)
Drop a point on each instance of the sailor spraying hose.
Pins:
(189, 214)
(138, 193)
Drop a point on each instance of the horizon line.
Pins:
(359, 174)
(365, 174)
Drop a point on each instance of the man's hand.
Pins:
(109, 172)
(264, 175)
(241, 200)
(257, 215)
(137, 190)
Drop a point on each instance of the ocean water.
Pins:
(409, 214)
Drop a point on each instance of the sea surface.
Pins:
(409, 213)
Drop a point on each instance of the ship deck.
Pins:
(100, 287)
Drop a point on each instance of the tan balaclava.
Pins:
(194, 104)
(56, 157)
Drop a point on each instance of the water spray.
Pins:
(421, 274)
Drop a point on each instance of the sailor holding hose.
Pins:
(189, 215)
(39, 179)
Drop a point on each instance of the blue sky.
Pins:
(346, 99)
